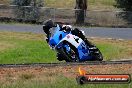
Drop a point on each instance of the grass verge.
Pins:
(57, 77)
(26, 48)
(60, 82)
(114, 49)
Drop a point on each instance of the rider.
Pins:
(46, 27)
(81, 34)
(76, 32)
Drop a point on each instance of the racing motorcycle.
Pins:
(71, 45)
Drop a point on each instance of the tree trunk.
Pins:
(80, 14)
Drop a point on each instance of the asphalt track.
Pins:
(116, 33)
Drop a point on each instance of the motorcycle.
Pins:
(70, 45)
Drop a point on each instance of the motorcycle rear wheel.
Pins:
(98, 56)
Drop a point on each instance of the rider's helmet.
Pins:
(47, 25)
(67, 28)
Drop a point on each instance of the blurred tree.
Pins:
(125, 5)
(38, 3)
(27, 13)
(22, 2)
(81, 13)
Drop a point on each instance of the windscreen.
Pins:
(52, 31)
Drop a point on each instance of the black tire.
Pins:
(60, 56)
(98, 56)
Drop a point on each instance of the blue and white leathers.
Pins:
(64, 39)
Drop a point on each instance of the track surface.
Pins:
(116, 33)
(66, 64)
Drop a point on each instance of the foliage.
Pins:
(38, 3)
(27, 13)
(22, 2)
(126, 5)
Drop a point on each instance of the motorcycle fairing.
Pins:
(72, 39)
(57, 36)
(83, 52)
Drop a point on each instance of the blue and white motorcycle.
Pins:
(71, 45)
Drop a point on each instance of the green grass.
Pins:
(32, 48)
(111, 51)
(25, 49)
(28, 52)
(114, 49)
(58, 81)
